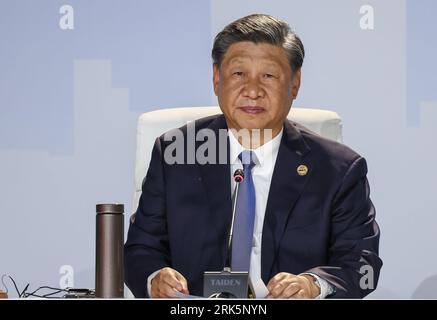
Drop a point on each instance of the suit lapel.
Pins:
(285, 189)
(217, 184)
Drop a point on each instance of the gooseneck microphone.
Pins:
(227, 283)
(238, 178)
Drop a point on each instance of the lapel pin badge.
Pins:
(302, 170)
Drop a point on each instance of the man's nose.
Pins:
(253, 89)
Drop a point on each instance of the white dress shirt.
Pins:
(262, 176)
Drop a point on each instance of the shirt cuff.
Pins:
(326, 288)
(149, 282)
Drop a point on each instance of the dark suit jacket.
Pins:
(322, 222)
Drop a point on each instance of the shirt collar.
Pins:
(264, 153)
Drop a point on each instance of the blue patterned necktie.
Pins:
(245, 216)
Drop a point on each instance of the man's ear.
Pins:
(295, 83)
(215, 77)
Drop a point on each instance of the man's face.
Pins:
(255, 86)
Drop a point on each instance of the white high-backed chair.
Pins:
(153, 124)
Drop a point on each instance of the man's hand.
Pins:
(289, 286)
(167, 282)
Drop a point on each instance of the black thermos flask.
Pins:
(109, 250)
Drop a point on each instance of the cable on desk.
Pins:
(47, 295)
(25, 294)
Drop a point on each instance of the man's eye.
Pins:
(238, 73)
(269, 75)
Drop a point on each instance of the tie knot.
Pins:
(248, 159)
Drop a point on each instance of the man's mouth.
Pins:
(252, 109)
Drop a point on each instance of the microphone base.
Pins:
(226, 284)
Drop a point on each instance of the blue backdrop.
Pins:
(70, 98)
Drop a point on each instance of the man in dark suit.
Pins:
(312, 224)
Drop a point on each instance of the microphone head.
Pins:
(238, 175)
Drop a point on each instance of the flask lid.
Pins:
(110, 208)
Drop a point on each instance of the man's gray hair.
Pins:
(260, 28)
